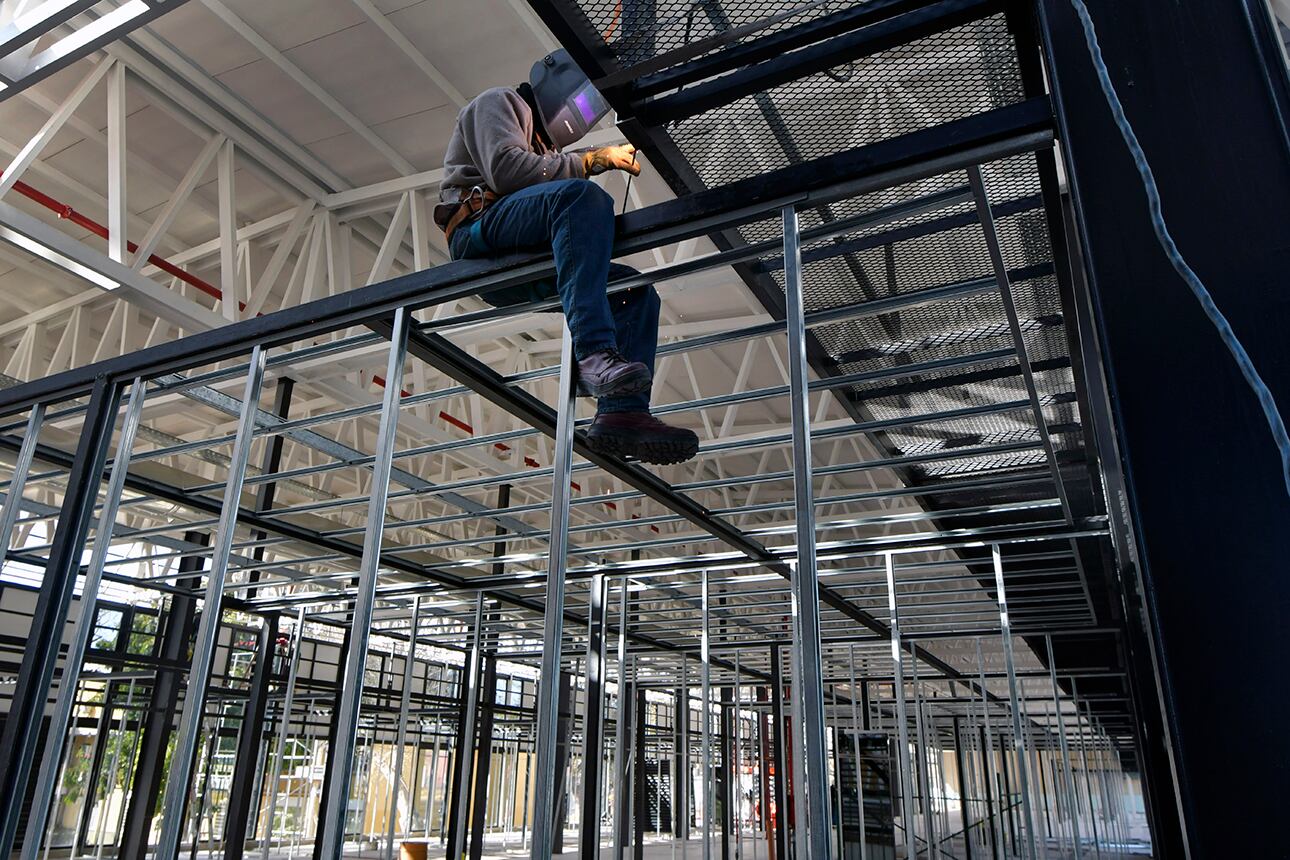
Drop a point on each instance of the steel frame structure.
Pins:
(905, 601)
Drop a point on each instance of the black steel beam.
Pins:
(681, 785)
(747, 53)
(49, 619)
(781, 68)
(563, 745)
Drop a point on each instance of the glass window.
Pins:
(107, 629)
(143, 634)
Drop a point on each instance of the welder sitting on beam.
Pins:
(509, 187)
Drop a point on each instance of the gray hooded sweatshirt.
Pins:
(493, 146)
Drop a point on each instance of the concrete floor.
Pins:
(497, 848)
(667, 849)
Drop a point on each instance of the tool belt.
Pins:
(471, 204)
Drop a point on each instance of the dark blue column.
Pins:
(1205, 86)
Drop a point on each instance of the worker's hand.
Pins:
(597, 161)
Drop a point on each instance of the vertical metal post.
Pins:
(737, 793)
(204, 649)
(13, 498)
(593, 721)
(466, 740)
(781, 759)
(998, 845)
(924, 748)
(284, 729)
(58, 723)
(1088, 787)
(837, 769)
(553, 626)
(1018, 730)
(225, 181)
(684, 769)
(797, 765)
(902, 718)
(705, 714)
(961, 771)
(855, 729)
(622, 746)
(974, 779)
(431, 773)
(762, 745)
(117, 241)
(721, 774)
(1036, 776)
(1069, 779)
(163, 702)
(333, 830)
(640, 802)
(243, 799)
(405, 701)
(805, 583)
(483, 758)
(35, 675)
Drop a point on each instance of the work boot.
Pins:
(607, 374)
(641, 435)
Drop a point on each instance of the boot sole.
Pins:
(637, 382)
(654, 451)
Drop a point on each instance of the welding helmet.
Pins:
(566, 100)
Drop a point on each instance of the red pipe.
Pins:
(67, 213)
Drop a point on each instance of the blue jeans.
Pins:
(574, 218)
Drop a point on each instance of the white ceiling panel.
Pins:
(478, 44)
(286, 24)
(363, 70)
(205, 39)
(282, 101)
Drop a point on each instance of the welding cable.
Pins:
(628, 189)
(1233, 343)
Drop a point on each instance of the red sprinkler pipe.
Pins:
(67, 213)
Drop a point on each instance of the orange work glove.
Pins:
(623, 157)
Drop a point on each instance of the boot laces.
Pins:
(613, 356)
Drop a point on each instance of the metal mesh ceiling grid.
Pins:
(943, 77)
(950, 329)
(682, 22)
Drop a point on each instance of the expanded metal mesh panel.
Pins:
(637, 30)
(934, 80)
(957, 328)
(874, 203)
(974, 466)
